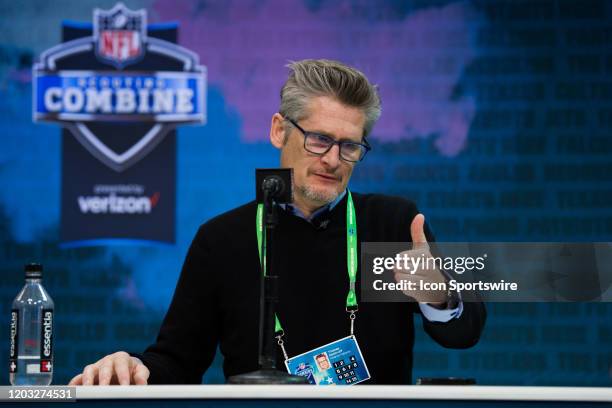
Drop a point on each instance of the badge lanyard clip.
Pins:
(352, 316)
(281, 343)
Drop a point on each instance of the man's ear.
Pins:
(277, 131)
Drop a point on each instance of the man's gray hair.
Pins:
(311, 78)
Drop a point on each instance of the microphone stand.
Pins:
(268, 374)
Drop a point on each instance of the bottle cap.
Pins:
(33, 270)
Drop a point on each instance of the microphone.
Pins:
(273, 185)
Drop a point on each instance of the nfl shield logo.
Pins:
(119, 35)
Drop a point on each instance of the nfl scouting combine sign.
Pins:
(119, 88)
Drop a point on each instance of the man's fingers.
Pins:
(141, 374)
(417, 231)
(122, 370)
(89, 374)
(117, 368)
(105, 374)
(76, 380)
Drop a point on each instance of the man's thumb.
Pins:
(417, 231)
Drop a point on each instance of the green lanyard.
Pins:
(351, 256)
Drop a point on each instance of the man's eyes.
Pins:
(351, 147)
(320, 139)
(328, 140)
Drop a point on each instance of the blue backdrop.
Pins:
(496, 120)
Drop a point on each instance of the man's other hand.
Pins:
(422, 276)
(117, 368)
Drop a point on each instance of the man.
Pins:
(327, 110)
(322, 361)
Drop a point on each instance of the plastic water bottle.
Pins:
(31, 332)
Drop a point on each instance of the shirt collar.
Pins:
(328, 207)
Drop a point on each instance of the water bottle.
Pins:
(31, 332)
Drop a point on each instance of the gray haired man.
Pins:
(327, 111)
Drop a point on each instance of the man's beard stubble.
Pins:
(317, 196)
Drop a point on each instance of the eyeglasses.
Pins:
(319, 144)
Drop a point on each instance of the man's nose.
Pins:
(332, 157)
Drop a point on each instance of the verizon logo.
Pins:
(114, 204)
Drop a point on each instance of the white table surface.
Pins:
(379, 392)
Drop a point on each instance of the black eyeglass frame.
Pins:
(365, 146)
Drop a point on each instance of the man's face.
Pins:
(319, 180)
(322, 362)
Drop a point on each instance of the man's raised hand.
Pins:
(423, 276)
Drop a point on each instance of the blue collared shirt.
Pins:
(328, 207)
(429, 312)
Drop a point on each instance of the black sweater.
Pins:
(216, 301)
